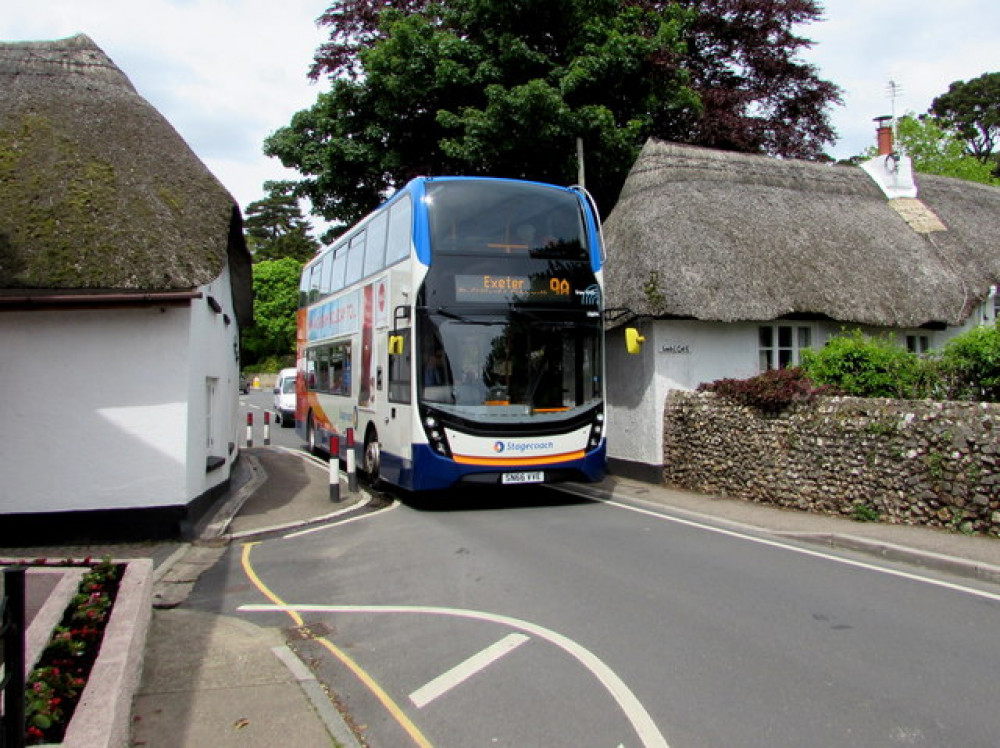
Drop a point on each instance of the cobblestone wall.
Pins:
(909, 462)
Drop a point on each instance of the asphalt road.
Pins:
(537, 619)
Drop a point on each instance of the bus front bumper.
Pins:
(431, 472)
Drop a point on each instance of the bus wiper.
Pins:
(461, 318)
(547, 318)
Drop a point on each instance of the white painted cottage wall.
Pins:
(214, 350)
(108, 408)
(95, 413)
(681, 354)
(677, 354)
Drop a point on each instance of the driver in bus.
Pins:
(434, 372)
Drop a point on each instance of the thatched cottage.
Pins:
(731, 264)
(124, 280)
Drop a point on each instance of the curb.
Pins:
(222, 518)
(216, 530)
(334, 722)
(927, 559)
(892, 552)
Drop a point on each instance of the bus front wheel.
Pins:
(371, 460)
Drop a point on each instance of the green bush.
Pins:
(862, 366)
(970, 365)
(968, 368)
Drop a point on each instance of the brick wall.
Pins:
(911, 462)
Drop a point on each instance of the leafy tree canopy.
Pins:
(505, 88)
(972, 110)
(935, 149)
(275, 304)
(275, 227)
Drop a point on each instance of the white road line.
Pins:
(465, 670)
(334, 515)
(631, 707)
(803, 551)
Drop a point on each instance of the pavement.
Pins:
(211, 679)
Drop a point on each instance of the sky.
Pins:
(228, 73)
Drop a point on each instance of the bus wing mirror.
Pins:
(396, 345)
(633, 341)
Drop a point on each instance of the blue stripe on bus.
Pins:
(421, 226)
(430, 472)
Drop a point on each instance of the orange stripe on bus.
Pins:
(517, 461)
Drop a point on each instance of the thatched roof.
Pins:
(98, 193)
(720, 236)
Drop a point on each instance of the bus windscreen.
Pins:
(533, 220)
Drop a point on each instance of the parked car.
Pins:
(284, 397)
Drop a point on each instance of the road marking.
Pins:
(391, 706)
(320, 528)
(801, 551)
(465, 670)
(632, 708)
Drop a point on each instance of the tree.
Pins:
(275, 227)
(502, 88)
(756, 96)
(275, 305)
(936, 150)
(972, 110)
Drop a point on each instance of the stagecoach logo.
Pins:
(590, 296)
(500, 447)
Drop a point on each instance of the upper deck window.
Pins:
(495, 217)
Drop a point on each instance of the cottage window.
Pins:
(918, 343)
(779, 345)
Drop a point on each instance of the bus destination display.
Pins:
(504, 288)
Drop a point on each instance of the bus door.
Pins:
(396, 425)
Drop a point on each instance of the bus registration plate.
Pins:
(534, 476)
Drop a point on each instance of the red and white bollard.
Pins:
(352, 476)
(249, 429)
(267, 428)
(334, 468)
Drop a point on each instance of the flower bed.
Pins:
(79, 691)
(54, 685)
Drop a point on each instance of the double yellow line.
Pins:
(391, 706)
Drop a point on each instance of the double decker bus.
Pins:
(457, 330)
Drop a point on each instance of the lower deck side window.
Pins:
(328, 369)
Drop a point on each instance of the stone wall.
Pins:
(909, 462)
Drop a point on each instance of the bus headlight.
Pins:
(436, 436)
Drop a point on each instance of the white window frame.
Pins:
(785, 344)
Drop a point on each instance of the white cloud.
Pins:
(225, 73)
(228, 73)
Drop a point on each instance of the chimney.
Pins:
(884, 135)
